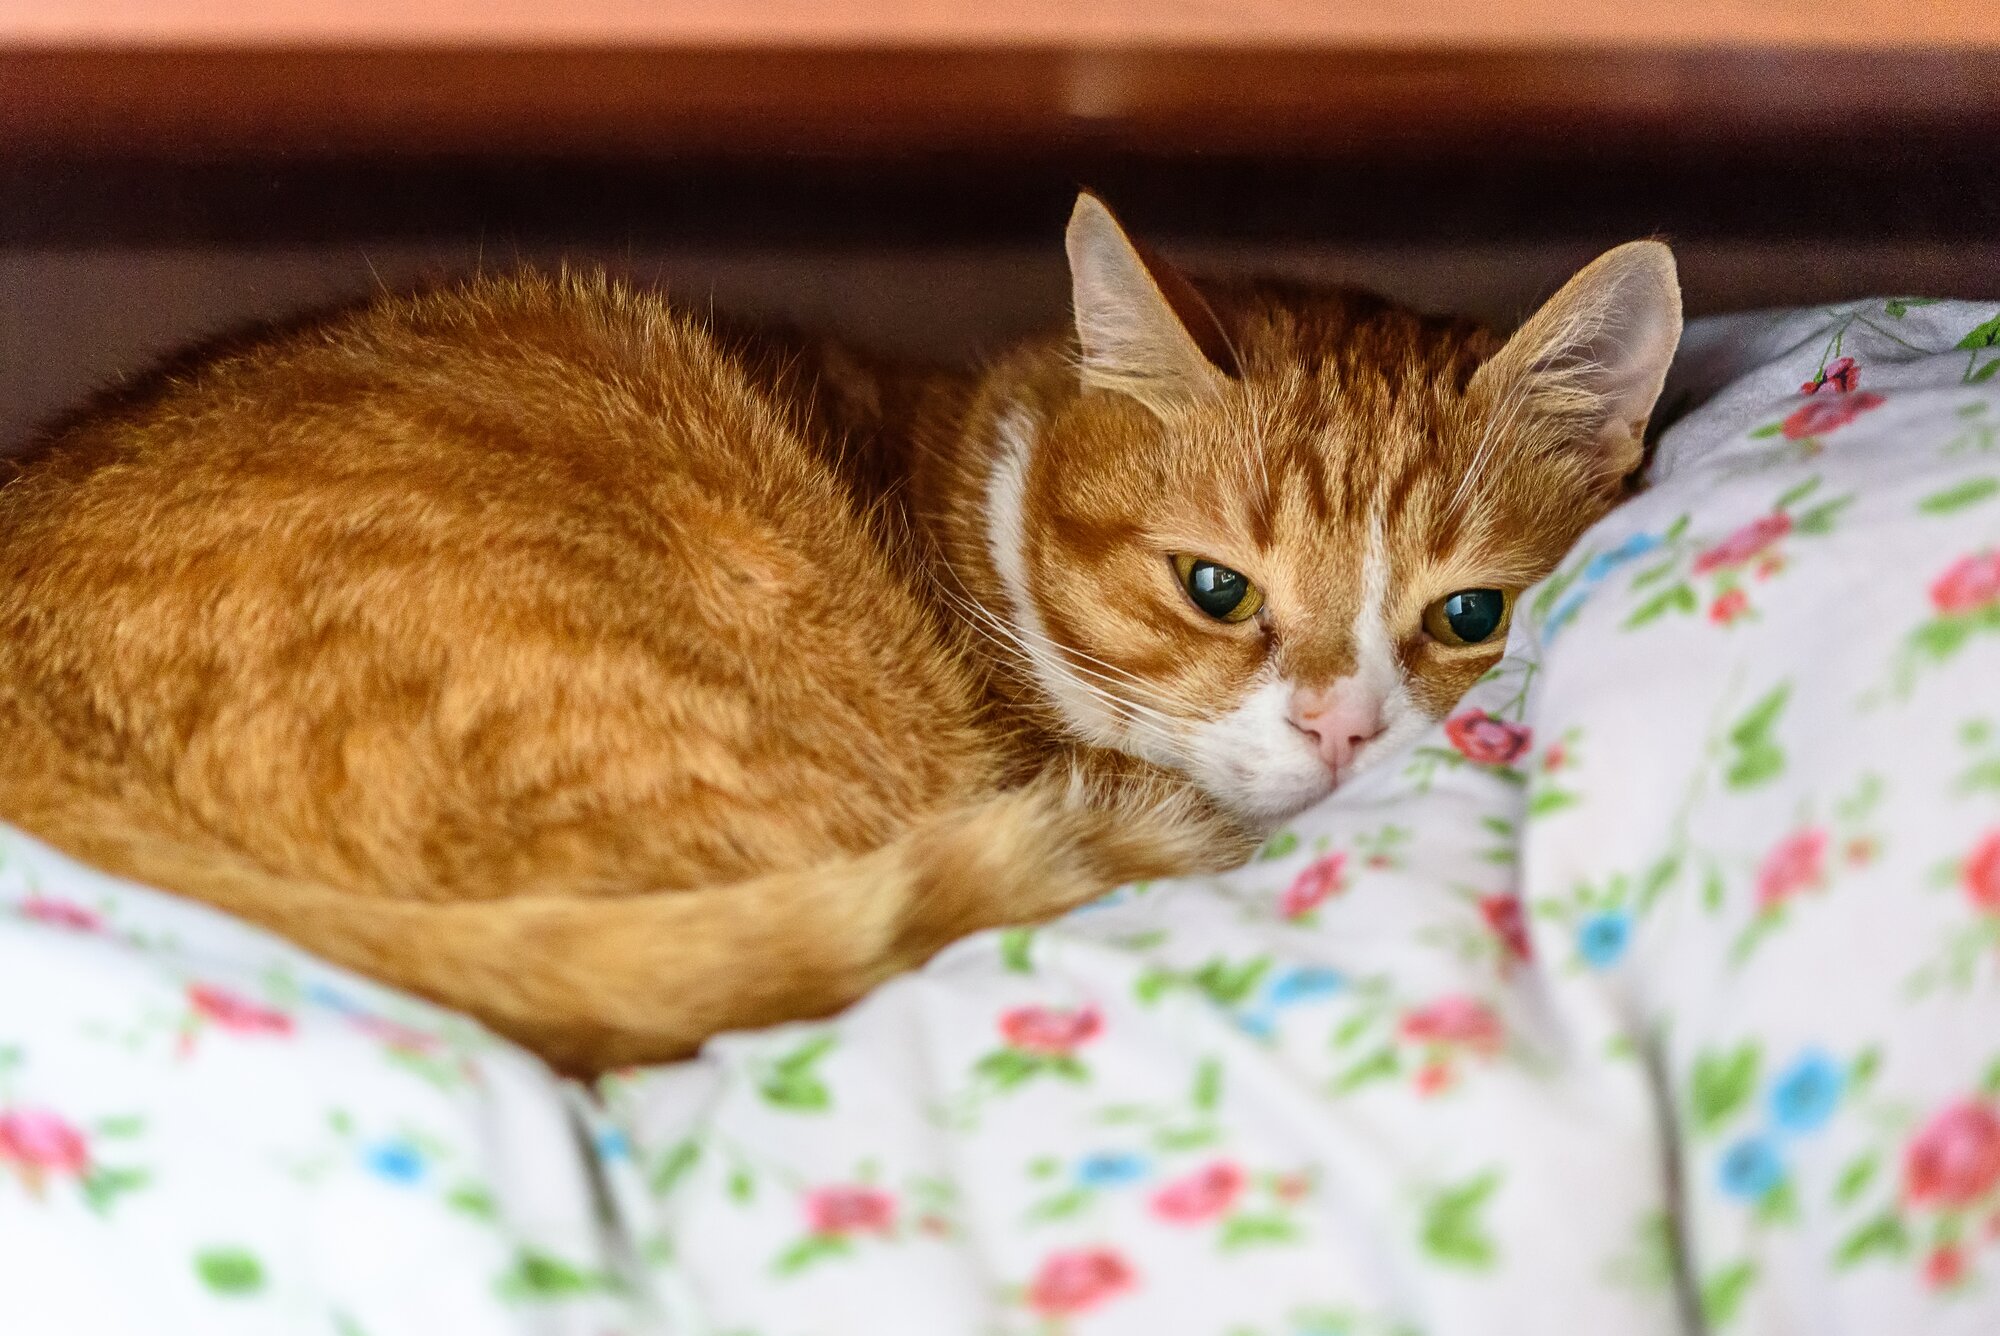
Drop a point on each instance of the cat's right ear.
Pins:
(1144, 330)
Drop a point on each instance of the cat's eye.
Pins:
(1468, 617)
(1226, 595)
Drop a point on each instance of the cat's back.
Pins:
(450, 590)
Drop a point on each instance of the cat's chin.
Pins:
(1268, 804)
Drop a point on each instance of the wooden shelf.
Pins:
(198, 79)
(1373, 24)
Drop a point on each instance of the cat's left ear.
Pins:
(1597, 353)
(1143, 329)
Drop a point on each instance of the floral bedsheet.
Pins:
(1658, 990)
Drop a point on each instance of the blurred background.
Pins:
(900, 169)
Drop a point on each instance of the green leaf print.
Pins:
(1655, 574)
(1723, 1293)
(1551, 800)
(1989, 1085)
(1819, 520)
(1674, 598)
(1986, 335)
(1942, 637)
(742, 1187)
(1061, 1206)
(1980, 337)
(1453, 1232)
(473, 1200)
(1207, 1085)
(1968, 493)
(1380, 1065)
(1279, 845)
(676, 1163)
(1007, 1067)
(1721, 1085)
(814, 1248)
(1898, 307)
(1855, 1178)
(1885, 1235)
(1796, 494)
(1229, 985)
(103, 1186)
(1250, 1231)
(792, 1083)
(1755, 758)
(536, 1275)
(230, 1271)
(1017, 950)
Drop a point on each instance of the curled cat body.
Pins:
(530, 645)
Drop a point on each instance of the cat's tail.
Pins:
(609, 981)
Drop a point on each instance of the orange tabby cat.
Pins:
(530, 646)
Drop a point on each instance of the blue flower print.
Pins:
(1110, 1169)
(1594, 572)
(1750, 1169)
(1259, 1024)
(1565, 611)
(397, 1161)
(1602, 938)
(1807, 1094)
(1634, 547)
(613, 1145)
(1304, 984)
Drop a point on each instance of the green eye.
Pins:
(1218, 591)
(1468, 617)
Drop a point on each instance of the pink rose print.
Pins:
(1730, 608)
(1822, 414)
(60, 913)
(1434, 1078)
(1079, 1280)
(1745, 543)
(1462, 1021)
(1982, 873)
(1314, 887)
(1049, 1031)
(41, 1142)
(1484, 740)
(1840, 373)
(1797, 864)
(394, 1035)
(236, 1014)
(1970, 584)
(1503, 915)
(849, 1209)
(1955, 1159)
(1945, 1267)
(1202, 1195)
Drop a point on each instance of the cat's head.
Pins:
(1269, 534)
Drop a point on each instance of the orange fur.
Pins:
(528, 645)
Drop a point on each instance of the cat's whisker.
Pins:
(1028, 640)
(1143, 719)
(1110, 671)
(1000, 632)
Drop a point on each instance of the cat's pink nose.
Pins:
(1339, 719)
